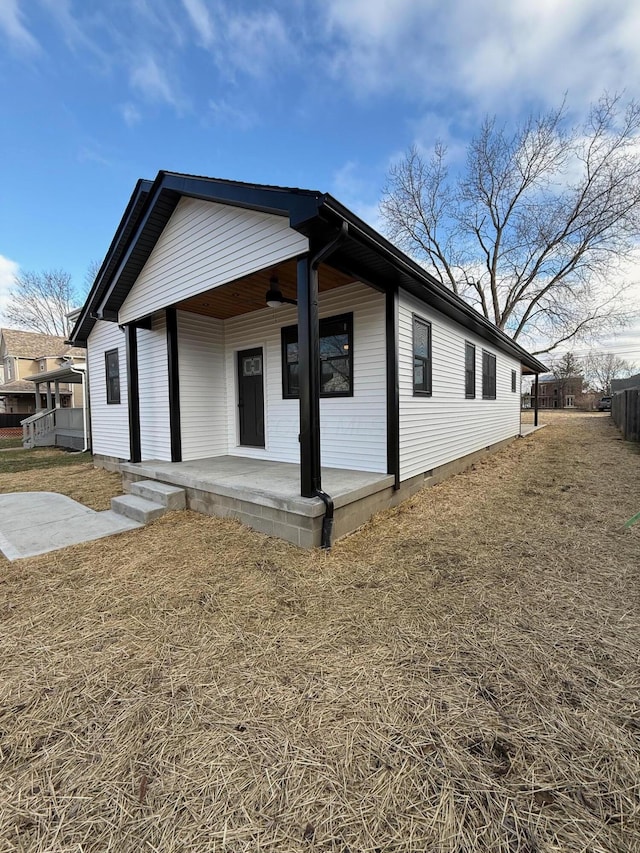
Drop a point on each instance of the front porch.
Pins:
(265, 495)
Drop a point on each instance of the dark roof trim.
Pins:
(309, 212)
(300, 206)
(86, 321)
(424, 286)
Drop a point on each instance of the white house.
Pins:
(236, 323)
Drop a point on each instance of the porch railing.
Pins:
(39, 429)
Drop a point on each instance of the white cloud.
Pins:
(226, 114)
(201, 20)
(8, 271)
(131, 114)
(149, 79)
(11, 22)
(255, 42)
(75, 34)
(492, 52)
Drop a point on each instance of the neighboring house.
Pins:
(626, 384)
(377, 367)
(26, 355)
(560, 393)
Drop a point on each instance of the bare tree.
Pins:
(568, 374)
(90, 276)
(537, 229)
(602, 367)
(41, 301)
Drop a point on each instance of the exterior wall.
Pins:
(353, 429)
(203, 393)
(205, 245)
(109, 423)
(446, 426)
(153, 384)
(22, 404)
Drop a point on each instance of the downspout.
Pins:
(85, 431)
(327, 521)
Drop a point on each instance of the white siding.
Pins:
(205, 245)
(153, 382)
(438, 429)
(353, 429)
(109, 423)
(203, 398)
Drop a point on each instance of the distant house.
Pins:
(26, 355)
(625, 384)
(560, 393)
(267, 336)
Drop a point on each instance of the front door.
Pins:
(251, 397)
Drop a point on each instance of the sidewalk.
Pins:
(34, 523)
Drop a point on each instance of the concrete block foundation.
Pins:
(265, 495)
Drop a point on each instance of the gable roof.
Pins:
(363, 253)
(21, 344)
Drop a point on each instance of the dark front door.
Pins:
(251, 397)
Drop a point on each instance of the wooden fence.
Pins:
(12, 420)
(625, 409)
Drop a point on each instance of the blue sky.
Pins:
(322, 94)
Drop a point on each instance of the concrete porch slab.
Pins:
(527, 429)
(266, 495)
(271, 484)
(33, 523)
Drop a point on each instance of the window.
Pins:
(469, 371)
(514, 379)
(336, 358)
(488, 375)
(9, 364)
(421, 357)
(112, 364)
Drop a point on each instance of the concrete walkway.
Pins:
(34, 523)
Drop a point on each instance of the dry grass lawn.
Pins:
(81, 481)
(462, 674)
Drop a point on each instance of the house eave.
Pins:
(365, 252)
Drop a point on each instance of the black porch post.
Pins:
(535, 401)
(133, 392)
(309, 376)
(174, 384)
(393, 393)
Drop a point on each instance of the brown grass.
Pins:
(91, 486)
(462, 674)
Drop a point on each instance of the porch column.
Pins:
(133, 393)
(56, 386)
(174, 384)
(393, 391)
(309, 375)
(49, 397)
(535, 401)
(38, 406)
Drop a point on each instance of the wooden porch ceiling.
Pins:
(248, 294)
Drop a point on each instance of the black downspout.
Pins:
(174, 384)
(309, 366)
(393, 391)
(535, 401)
(133, 392)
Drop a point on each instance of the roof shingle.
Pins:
(21, 344)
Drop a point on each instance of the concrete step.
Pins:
(137, 508)
(171, 497)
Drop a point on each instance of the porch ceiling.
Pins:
(248, 294)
